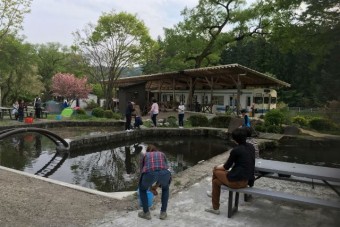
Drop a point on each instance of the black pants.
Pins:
(128, 122)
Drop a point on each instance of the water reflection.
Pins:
(109, 169)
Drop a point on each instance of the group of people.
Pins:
(131, 110)
(18, 109)
(237, 172)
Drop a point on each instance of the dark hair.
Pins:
(151, 148)
(154, 100)
(239, 135)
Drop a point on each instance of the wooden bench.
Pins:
(274, 195)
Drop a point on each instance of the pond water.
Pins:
(115, 168)
(109, 169)
(306, 150)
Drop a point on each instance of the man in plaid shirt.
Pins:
(154, 169)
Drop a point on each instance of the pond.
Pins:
(306, 150)
(108, 169)
(115, 167)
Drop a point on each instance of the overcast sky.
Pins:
(56, 20)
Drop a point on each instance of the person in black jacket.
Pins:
(128, 115)
(242, 163)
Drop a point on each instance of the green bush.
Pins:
(260, 127)
(98, 112)
(80, 111)
(274, 129)
(274, 117)
(172, 120)
(300, 120)
(108, 114)
(221, 121)
(198, 120)
(321, 124)
(117, 116)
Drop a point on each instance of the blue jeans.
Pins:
(162, 177)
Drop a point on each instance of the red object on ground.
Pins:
(29, 120)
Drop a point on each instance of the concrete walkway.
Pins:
(187, 209)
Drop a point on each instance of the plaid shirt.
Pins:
(152, 161)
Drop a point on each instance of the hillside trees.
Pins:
(302, 48)
(116, 42)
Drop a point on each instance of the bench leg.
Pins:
(232, 210)
(230, 204)
(237, 196)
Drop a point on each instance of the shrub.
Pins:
(221, 121)
(117, 116)
(300, 120)
(172, 120)
(260, 127)
(198, 120)
(98, 112)
(274, 117)
(274, 129)
(321, 124)
(80, 111)
(108, 114)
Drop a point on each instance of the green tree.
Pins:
(206, 30)
(11, 15)
(117, 42)
(18, 78)
(53, 58)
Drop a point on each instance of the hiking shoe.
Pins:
(209, 194)
(146, 215)
(163, 215)
(212, 210)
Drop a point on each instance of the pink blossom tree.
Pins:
(70, 87)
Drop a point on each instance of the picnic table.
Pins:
(4, 110)
(266, 168)
(325, 174)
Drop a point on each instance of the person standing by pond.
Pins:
(128, 115)
(21, 110)
(246, 120)
(181, 109)
(154, 169)
(37, 107)
(15, 110)
(154, 112)
(242, 163)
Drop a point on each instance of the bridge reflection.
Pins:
(62, 148)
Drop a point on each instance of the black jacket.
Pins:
(242, 161)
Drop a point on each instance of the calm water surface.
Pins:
(115, 167)
(109, 169)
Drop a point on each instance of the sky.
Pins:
(56, 20)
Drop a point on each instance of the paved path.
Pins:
(187, 209)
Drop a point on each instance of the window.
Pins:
(273, 100)
(164, 98)
(266, 100)
(248, 101)
(218, 100)
(258, 100)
